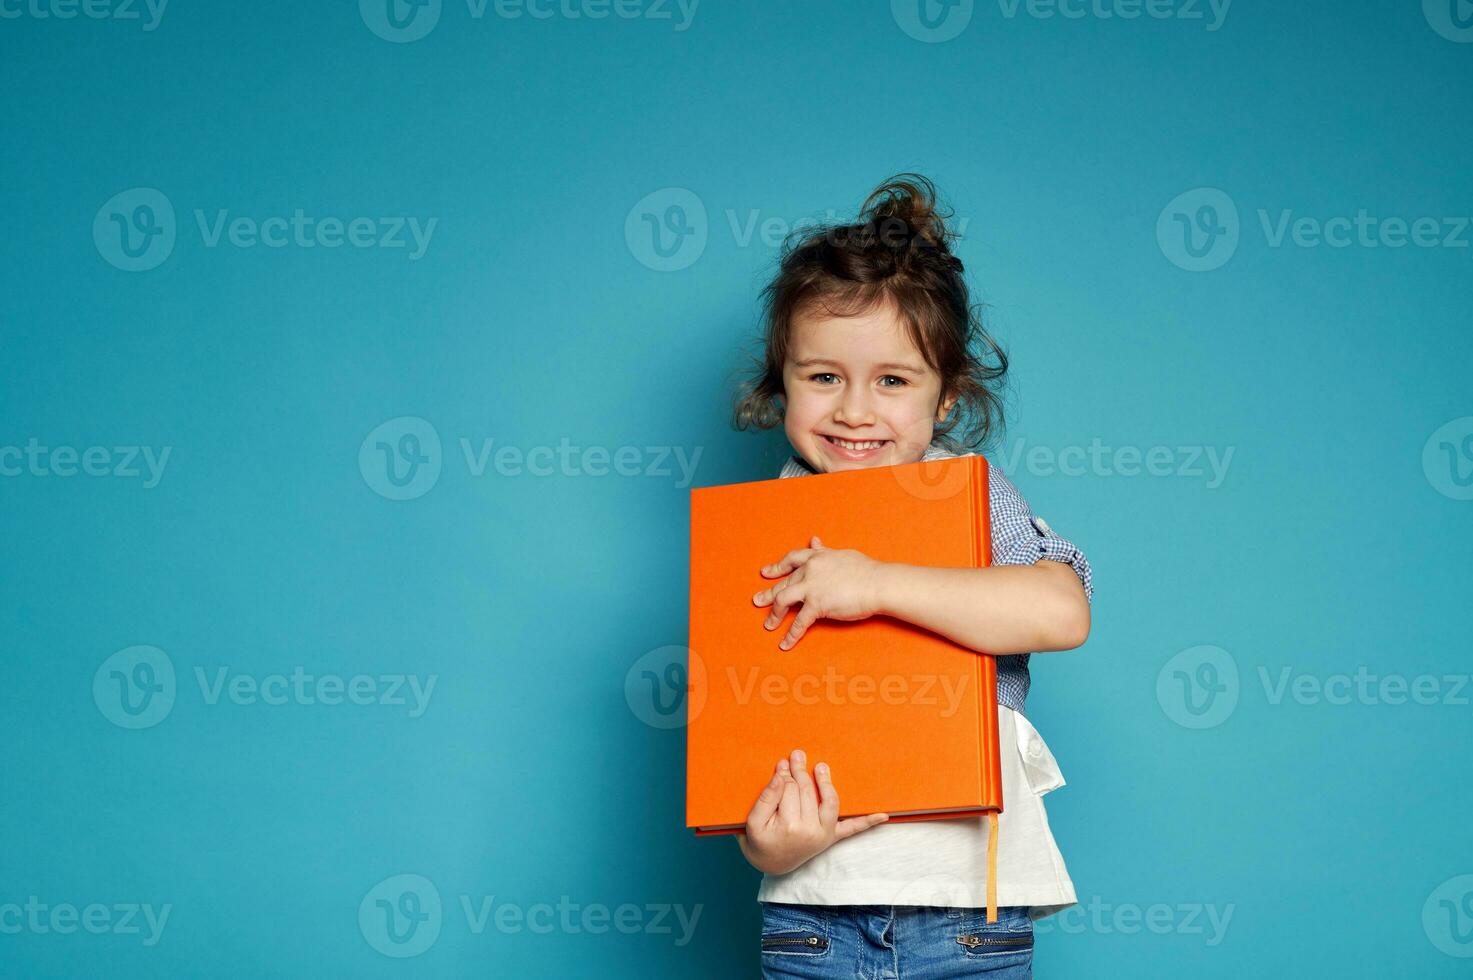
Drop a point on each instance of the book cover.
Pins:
(905, 718)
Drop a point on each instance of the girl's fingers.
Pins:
(767, 802)
(768, 596)
(807, 801)
(828, 797)
(780, 605)
(789, 806)
(787, 563)
(850, 826)
(806, 617)
(782, 602)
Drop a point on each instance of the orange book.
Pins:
(905, 718)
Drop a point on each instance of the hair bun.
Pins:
(902, 213)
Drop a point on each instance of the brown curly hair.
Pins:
(897, 251)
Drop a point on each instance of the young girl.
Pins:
(876, 358)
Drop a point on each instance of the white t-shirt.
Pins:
(944, 862)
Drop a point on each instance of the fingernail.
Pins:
(822, 767)
(783, 765)
(799, 754)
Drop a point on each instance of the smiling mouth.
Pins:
(857, 446)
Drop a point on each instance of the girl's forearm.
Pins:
(999, 610)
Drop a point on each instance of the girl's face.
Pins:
(858, 380)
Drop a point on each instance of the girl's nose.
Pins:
(854, 408)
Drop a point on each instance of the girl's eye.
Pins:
(819, 378)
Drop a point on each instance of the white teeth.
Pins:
(856, 445)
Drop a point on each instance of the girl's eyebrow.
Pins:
(888, 365)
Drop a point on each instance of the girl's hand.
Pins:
(835, 583)
(789, 824)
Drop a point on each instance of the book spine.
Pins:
(976, 488)
(989, 782)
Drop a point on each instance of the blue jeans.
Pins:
(910, 942)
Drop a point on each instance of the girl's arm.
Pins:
(1001, 609)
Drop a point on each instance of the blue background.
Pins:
(531, 319)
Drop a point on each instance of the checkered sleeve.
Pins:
(1020, 538)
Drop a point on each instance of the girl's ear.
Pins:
(944, 409)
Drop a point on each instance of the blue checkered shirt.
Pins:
(1018, 538)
